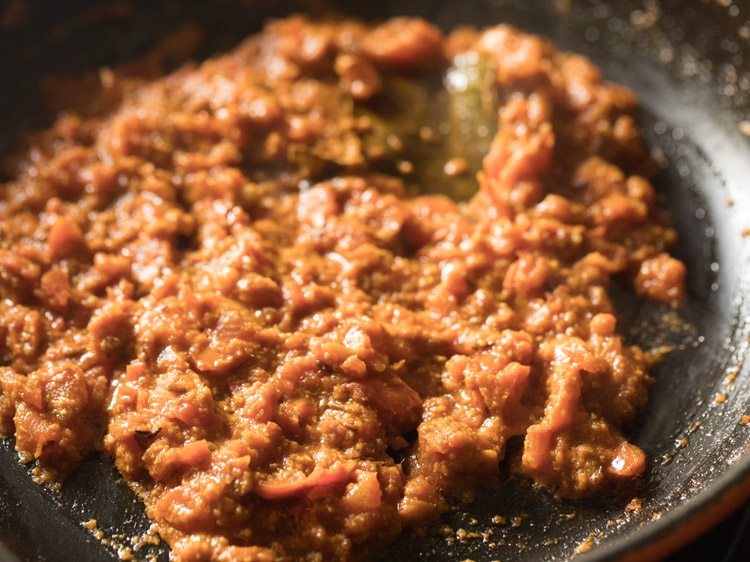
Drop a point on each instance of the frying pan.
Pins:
(689, 62)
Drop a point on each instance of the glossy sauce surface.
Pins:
(216, 278)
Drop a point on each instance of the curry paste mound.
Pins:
(215, 278)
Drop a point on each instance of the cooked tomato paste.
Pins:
(216, 278)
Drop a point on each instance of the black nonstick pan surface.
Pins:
(689, 62)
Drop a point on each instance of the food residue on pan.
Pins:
(636, 504)
(127, 548)
(226, 279)
(499, 520)
(586, 545)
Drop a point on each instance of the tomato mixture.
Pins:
(291, 354)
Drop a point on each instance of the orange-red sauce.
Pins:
(203, 276)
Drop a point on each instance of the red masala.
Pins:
(204, 276)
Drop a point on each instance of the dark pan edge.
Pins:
(676, 528)
(685, 523)
(682, 524)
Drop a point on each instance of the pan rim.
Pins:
(679, 525)
(659, 538)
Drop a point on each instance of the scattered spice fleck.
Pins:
(394, 142)
(500, 520)
(720, 398)
(464, 535)
(636, 504)
(647, 18)
(364, 123)
(586, 545)
(405, 167)
(428, 135)
(93, 527)
(745, 419)
(744, 128)
(456, 167)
